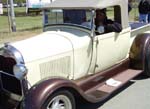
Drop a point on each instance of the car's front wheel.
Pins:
(60, 100)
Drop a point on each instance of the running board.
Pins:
(109, 86)
(123, 77)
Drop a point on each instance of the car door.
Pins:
(112, 48)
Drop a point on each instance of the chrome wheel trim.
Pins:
(60, 102)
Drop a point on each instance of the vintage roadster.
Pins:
(70, 61)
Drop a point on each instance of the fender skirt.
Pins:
(138, 51)
(40, 92)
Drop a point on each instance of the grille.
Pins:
(8, 82)
(6, 64)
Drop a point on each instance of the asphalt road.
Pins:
(134, 95)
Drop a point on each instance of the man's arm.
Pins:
(113, 27)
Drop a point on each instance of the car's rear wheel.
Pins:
(60, 100)
(147, 62)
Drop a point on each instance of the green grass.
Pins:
(133, 16)
(23, 21)
(3, 24)
(29, 22)
(27, 25)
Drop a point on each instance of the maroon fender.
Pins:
(138, 49)
(42, 90)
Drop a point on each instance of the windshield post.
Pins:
(56, 14)
(93, 23)
(45, 17)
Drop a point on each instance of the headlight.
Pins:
(20, 71)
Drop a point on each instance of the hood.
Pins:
(44, 45)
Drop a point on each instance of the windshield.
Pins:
(81, 18)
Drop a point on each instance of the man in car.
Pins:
(108, 25)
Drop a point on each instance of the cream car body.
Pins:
(70, 52)
(69, 55)
(65, 55)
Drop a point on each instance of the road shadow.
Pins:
(85, 105)
(141, 77)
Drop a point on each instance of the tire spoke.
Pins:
(60, 102)
(55, 103)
